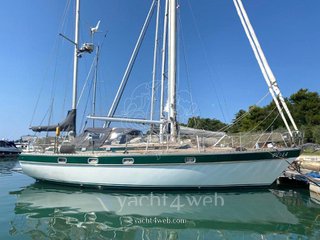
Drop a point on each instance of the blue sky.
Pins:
(218, 74)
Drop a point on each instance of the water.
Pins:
(33, 210)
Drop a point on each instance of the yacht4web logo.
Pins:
(170, 202)
(138, 103)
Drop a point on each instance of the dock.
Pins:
(304, 173)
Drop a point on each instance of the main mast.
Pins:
(171, 19)
(75, 61)
(172, 66)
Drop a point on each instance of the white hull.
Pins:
(220, 174)
(214, 207)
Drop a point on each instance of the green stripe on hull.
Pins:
(163, 158)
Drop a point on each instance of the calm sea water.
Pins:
(32, 210)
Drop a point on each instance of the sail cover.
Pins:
(67, 125)
(92, 137)
(96, 137)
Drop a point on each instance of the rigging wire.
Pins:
(64, 103)
(91, 67)
(54, 83)
(264, 66)
(255, 127)
(93, 64)
(246, 134)
(99, 74)
(210, 68)
(50, 115)
(158, 66)
(187, 66)
(86, 81)
(85, 108)
(45, 116)
(243, 115)
(273, 122)
(53, 53)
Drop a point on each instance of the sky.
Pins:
(217, 71)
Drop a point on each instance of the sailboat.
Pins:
(173, 162)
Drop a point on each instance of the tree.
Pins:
(304, 106)
(206, 124)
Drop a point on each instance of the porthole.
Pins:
(127, 160)
(190, 160)
(62, 160)
(93, 160)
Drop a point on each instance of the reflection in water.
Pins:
(45, 211)
(315, 197)
(6, 165)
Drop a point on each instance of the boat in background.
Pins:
(8, 149)
(25, 143)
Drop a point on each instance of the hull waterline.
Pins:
(210, 174)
